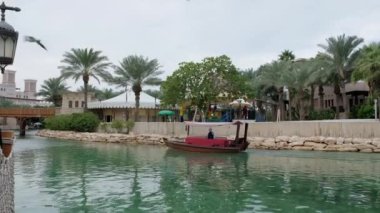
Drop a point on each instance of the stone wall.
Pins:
(329, 128)
(6, 184)
(317, 143)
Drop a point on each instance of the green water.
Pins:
(61, 176)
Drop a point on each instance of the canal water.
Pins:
(62, 176)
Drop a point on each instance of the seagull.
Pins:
(32, 39)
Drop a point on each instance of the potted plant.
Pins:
(6, 141)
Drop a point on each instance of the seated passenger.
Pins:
(210, 134)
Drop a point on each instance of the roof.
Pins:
(356, 87)
(146, 101)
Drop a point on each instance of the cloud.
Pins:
(251, 32)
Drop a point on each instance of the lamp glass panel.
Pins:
(9, 46)
(2, 45)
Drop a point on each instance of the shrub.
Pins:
(79, 122)
(119, 125)
(325, 114)
(129, 125)
(104, 127)
(60, 122)
(84, 122)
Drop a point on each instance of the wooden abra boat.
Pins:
(7, 139)
(215, 145)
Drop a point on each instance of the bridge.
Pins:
(22, 114)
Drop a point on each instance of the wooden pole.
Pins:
(237, 132)
(245, 132)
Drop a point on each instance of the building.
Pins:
(10, 92)
(8, 87)
(122, 107)
(326, 99)
(73, 102)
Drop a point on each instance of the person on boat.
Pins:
(210, 134)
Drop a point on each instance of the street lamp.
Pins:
(8, 39)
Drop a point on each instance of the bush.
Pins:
(60, 122)
(79, 122)
(130, 124)
(119, 125)
(366, 111)
(325, 114)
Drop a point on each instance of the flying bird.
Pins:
(32, 39)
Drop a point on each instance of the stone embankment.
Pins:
(317, 143)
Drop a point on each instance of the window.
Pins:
(70, 104)
(76, 104)
(82, 104)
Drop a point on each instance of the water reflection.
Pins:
(91, 177)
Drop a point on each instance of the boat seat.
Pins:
(203, 141)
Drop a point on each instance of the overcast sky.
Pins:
(251, 32)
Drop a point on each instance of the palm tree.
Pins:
(156, 94)
(286, 55)
(84, 63)
(271, 78)
(137, 71)
(107, 93)
(368, 67)
(342, 52)
(52, 89)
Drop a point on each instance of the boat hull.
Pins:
(205, 149)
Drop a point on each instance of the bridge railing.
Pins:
(27, 112)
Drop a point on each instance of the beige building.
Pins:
(122, 107)
(10, 92)
(73, 102)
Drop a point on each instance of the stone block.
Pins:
(282, 139)
(314, 144)
(303, 148)
(330, 141)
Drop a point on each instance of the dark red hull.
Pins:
(207, 149)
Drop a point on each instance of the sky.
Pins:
(250, 32)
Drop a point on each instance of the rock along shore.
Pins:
(317, 143)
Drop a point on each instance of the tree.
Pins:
(85, 64)
(342, 52)
(108, 93)
(52, 89)
(199, 84)
(368, 67)
(286, 55)
(137, 71)
(156, 94)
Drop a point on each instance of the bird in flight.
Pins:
(32, 39)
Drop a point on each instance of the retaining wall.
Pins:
(6, 184)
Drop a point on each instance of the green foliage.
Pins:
(84, 64)
(79, 122)
(59, 122)
(52, 89)
(129, 125)
(104, 126)
(365, 110)
(326, 114)
(84, 122)
(198, 84)
(368, 67)
(136, 71)
(119, 125)
(286, 55)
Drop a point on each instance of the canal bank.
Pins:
(313, 143)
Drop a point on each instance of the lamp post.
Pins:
(8, 39)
